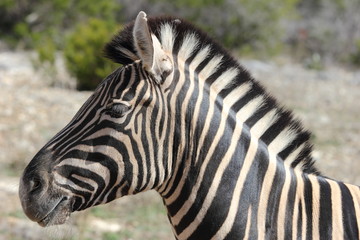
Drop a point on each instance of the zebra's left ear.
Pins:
(149, 49)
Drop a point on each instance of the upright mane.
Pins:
(294, 140)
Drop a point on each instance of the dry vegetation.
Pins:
(31, 112)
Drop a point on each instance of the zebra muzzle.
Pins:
(41, 199)
(58, 214)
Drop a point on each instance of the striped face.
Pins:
(105, 152)
(107, 149)
(114, 146)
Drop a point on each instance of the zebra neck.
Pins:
(213, 76)
(315, 207)
(228, 177)
(219, 155)
(248, 198)
(218, 176)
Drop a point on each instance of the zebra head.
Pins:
(107, 151)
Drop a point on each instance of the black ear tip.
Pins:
(121, 48)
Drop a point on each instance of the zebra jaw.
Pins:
(41, 199)
(59, 213)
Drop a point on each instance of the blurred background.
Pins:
(306, 52)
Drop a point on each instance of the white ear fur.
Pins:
(143, 41)
(149, 48)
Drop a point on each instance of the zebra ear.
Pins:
(149, 48)
(143, 41)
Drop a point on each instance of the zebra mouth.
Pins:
(58, 214)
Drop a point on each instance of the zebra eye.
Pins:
(117, 108)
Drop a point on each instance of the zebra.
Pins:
(182, 117)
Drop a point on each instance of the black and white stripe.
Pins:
(229, 162)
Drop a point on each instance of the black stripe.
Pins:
(250, 195)
(250, 95)
(209, 175)
(266, 107)
(210, 225)
(176, 142)
(81, 183)
(351, 230)
(325, 221)
(240, 79)
(79, 204)
(297, 142)
(204, 106)
(308, 195)
(107, 161)
(299, 221)
(274, 201)
(67, 170)
(273, 131)
(290, 206)
(154, 140)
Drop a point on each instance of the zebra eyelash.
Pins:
(117, 108)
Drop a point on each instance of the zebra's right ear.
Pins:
(149, 49)
(143, 41)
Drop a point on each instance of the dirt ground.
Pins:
(328, 102)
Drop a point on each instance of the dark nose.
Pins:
(40, 198)
(36, 174)
(33, 182)
(35, 185)
(31, 189)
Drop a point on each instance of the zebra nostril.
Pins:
(35, 185)
(65, 198)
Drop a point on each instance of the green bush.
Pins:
(44, 26)
(251, 26)
(355, 57)
(83, 52)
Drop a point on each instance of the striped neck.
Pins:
(224, 121)
(224, 84)
(229, 135)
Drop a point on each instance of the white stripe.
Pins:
(189, 44)
(173, 124)
(214, 184)
(315, 206)
(292, 157)
(228, 101)
(263, 124)
(167, 37)
(282, 140)
(282, 205)
(264, 195)
(211, 67)
(249, 109)
(200, 56)
(224, 80)
(336, 206)
(229, 221)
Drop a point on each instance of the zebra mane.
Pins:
(295, 140)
